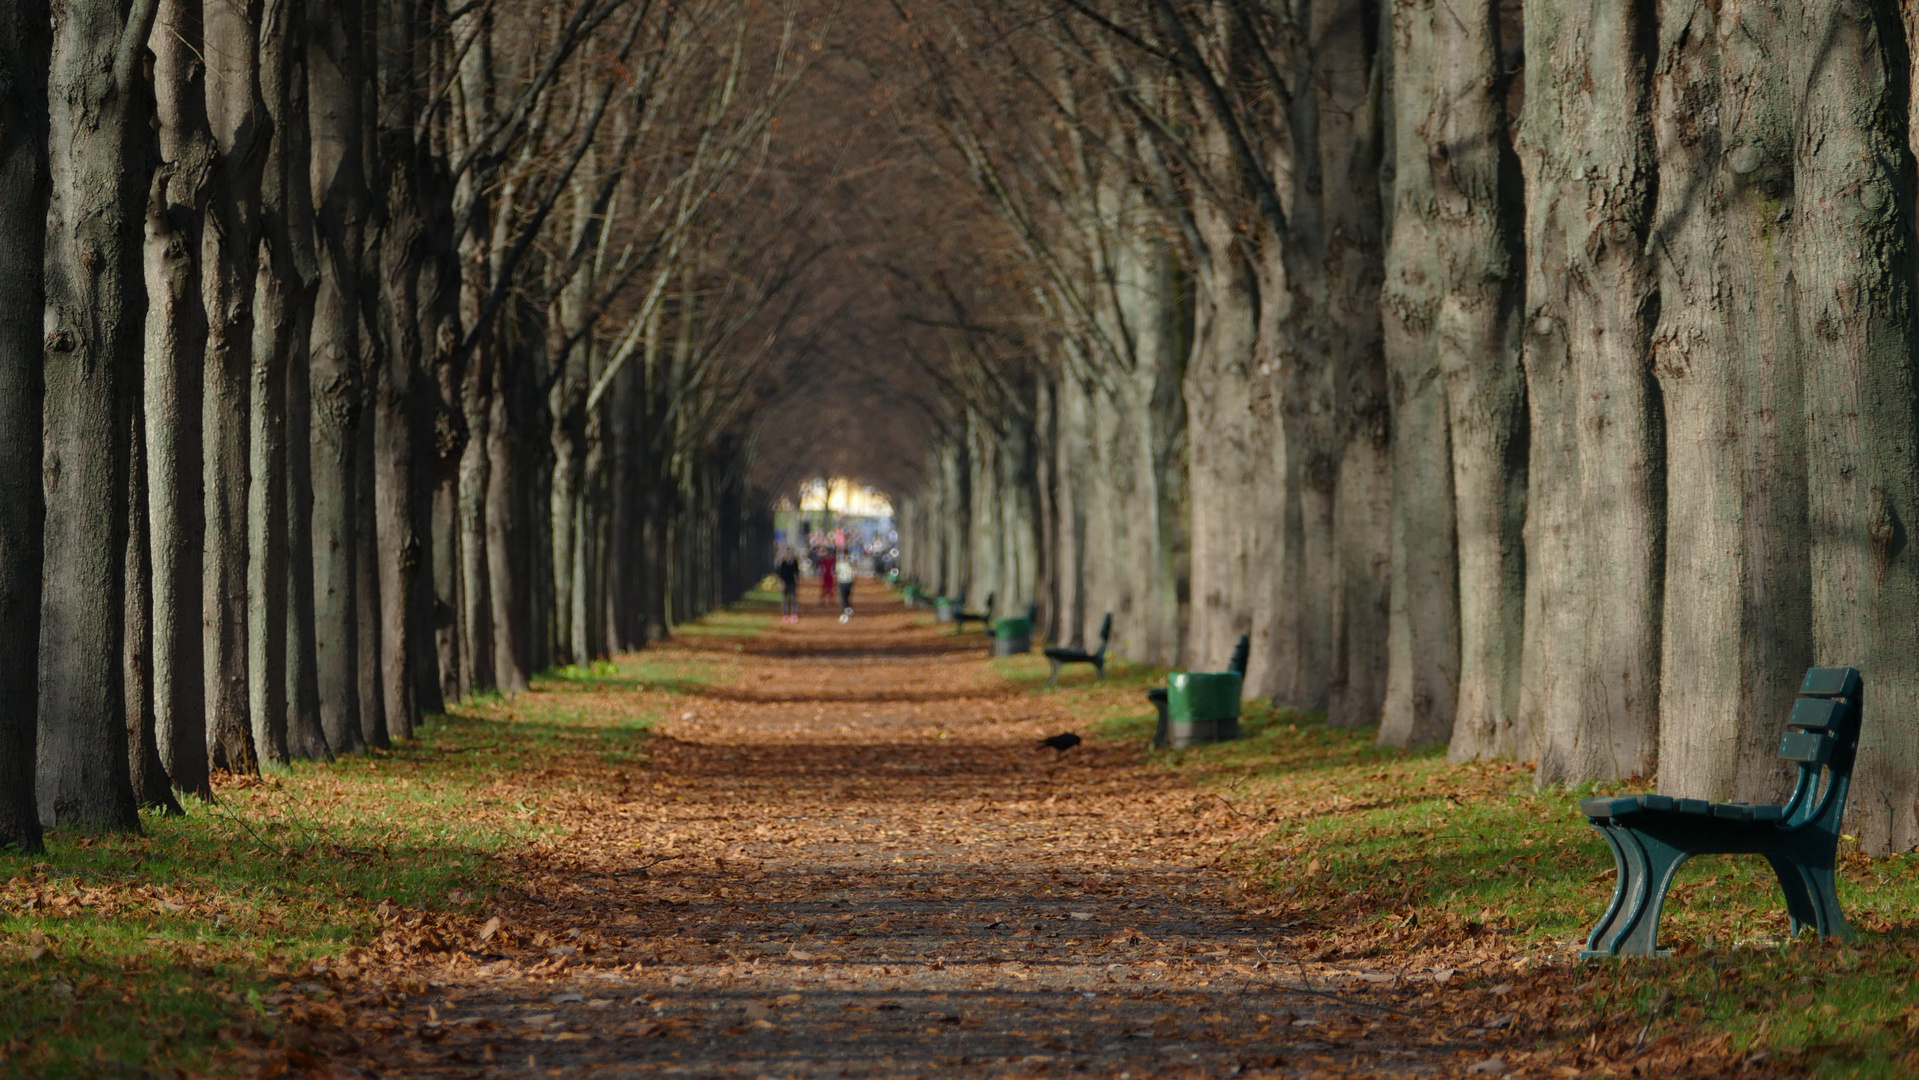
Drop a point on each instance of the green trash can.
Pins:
(1013, 636)
(910, 595)
(943, 608)
(1203, 707)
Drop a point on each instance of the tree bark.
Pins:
(473, 109)
(395, 399)
(371, 613)
(1853, 181)
(93, 304)
(1595, 490)
(229, 258)
(1476, 339)
(1223, 468)
(1423, 626)
(276, 296)
(148, 775)
(24, 55)
(1347, 71)
(291, 217)
(175, 353)
(1738, 621)
(338, 182)
(507, 557)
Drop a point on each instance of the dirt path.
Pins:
(861, 866)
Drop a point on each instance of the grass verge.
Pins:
(1396, 858)
(185, 947)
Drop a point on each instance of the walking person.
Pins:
(847, 570)
(825, 562)
(787, 566)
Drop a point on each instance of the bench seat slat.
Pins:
(1623, 805)
(1605, 808)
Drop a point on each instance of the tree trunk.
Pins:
(24, 44)
(1738, 620)
(395, 403)
(306, 733)
(336, 389)
(1853, 181)
(1477, 334)
(445, 665)
(93, 305)
(148, 775)
(1224, 468)
(1596, 489)
(277, 288)
(1348, 71)
(1423, 624)
(506, 538)
(472, 111)
(229, 259)
(371, 613)
(402, 421)
(175, 353)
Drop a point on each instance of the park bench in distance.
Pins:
(1651, 835)
(1163, 734)
(961, 616)
(1060, 655)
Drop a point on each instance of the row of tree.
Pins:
(357, 355)
(1533, 377)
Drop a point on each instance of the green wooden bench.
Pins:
(1059, 655)
(1163, 734)
(1651, 835)
(984, 617)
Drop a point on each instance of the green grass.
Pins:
(732, 624)
(133, 955)
(1385, 853)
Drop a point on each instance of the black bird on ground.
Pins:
(1060, 743)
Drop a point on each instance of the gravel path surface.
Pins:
(850, 860)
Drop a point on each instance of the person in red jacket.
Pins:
(825, 563)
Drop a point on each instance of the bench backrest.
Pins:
(1241, 652)
(1105, 631)
(1822, 734)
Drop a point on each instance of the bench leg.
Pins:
(1163, 733)
(1646, 867)
(1800, 906)
(1053, 679)
(1100, 666)
(1626, 876)
(1812, 897)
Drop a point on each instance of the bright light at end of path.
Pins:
(842, 495)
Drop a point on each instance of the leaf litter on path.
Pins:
(848, 860)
